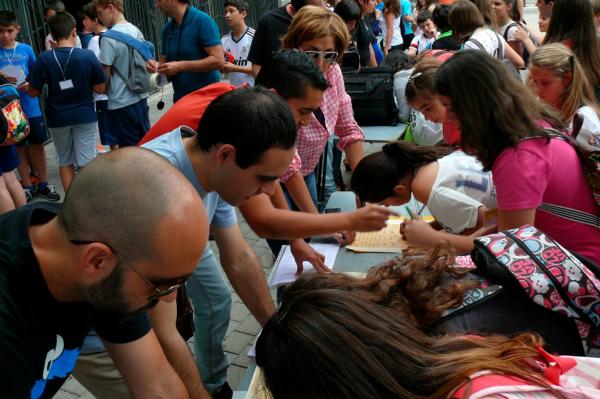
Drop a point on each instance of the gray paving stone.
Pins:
(237, 341)
(235, 375)
(239, 312)
(249, 326)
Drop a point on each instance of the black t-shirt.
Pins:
(364, 38)
(446, 43)
(271, 28)
(39, 336)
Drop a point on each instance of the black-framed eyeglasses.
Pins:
(158, 293)
(328, 57)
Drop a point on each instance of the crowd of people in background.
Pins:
(108, 285)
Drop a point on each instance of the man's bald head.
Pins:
(125, 198)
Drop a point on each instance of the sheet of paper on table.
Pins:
(387, 239)
(286, 270)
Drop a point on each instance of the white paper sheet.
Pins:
(286, 270)
(14, 72)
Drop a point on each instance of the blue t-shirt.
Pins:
(74, 105)
(23, 57)
(170, 146)
(407, 10)
(186, 42)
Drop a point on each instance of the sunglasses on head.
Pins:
(327, 56)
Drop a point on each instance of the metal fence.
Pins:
(142, 13)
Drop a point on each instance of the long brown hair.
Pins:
(494, 110)
(573, 21)
(330, 343)
(392, 6)
(420, 288)
(465, 18)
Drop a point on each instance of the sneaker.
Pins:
(225, 392)
(48, 192)
(28, 193)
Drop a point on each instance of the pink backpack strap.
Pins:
(480, 381)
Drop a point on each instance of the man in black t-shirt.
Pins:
(271, 27)
(112, 250)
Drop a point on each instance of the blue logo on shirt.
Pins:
(59, 363)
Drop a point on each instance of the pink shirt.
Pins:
(536, 172)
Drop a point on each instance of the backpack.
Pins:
(14, 125)
(527, 262)
(569, 377)
(372, 93)
(587, 145)
(499, 55)
(526, 54)
(140, 52)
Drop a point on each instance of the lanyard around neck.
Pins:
(173, 26)
(11, 59)
(62, 71)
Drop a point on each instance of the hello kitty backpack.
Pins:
(528, 261)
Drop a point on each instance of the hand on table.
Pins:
(419, 233)
(302, 252)
(370, 218)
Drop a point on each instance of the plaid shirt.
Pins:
(312, 138)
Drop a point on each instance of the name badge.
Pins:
(66, 84)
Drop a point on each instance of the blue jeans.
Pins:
(211, 298)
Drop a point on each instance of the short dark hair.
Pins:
(61, 25)
(298, 4)
(424, 15)
(55, 5)
(398, 60)
(8, 18)
(289, 72)
(348, 10)
(440, 17)
(253, 120)
(89, 10)
(241, 5)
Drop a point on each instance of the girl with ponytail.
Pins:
(452, 184)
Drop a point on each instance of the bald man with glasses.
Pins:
(130, 232)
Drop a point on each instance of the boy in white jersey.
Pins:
(237, 43)
(428, 35)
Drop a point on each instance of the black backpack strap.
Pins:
(574, 215)
(512, 24)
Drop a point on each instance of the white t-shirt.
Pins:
(94, 46)
(508, 32)
(492, 43)
(396, 34)
(460, 188)
(421, 43)
(239, 49)
(49, 38)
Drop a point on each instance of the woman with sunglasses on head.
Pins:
(322, 36)
(504, 126)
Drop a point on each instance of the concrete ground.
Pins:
(243, 328)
